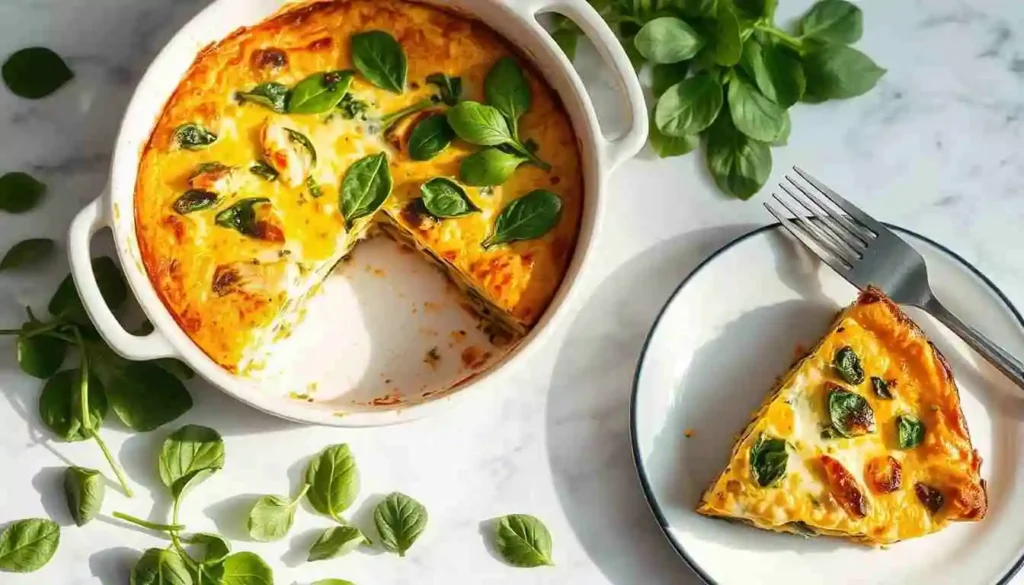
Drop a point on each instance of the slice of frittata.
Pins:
(863, 439)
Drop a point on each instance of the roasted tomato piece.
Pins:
(884, 474)
(270, 59)
(931, 497)
(844, 488)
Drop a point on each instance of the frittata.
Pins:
(333, 121)
(863, 439)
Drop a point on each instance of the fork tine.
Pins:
(843, 204)
(836, 234)
(819, 236)
(835, 262)
(860, 234)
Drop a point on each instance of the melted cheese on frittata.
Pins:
(234, 294)
(872, 508)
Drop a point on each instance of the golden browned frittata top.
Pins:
(229, 289)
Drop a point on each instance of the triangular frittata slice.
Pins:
(862, 439)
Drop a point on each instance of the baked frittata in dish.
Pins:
(333, 121)
(863, 439)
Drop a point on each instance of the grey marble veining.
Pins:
(936, 147)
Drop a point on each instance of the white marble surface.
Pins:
(936, 147)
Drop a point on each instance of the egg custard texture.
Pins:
(863, 439)
(238, 202)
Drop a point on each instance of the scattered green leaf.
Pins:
(193, 136)
(381, 60)
(833, 21)
(271, 517)
(690, 106)
(84, 490)
(195, 200)
(335, 542)
(739, 164)
(444, 198)
(768, 460)
(850, 413)
(909, 431)
(668, 40)
(523, 541)
(319, 93)
(333, 479)
(271, 95)
(529, 217)
(431, 136)
(35, 72)
(367, 184)
(489, 167)
(19, 192)
(400, 521)
(189, 453)
(160, 567)
(27, 545)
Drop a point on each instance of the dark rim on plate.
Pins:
(642, 473)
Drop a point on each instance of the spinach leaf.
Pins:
(449, 87)
(19, 192)
(264, 171)
(35, 72)
(768, 460)
(351, 107)
(776, 70)
(833, 21)
(66, 304)
(315, 190)
(847, 365)
(241, 216)
(881, 388)
(529, 217)
(381, 60)
(27, 545)
(195, 200)
(752, 113)
(689, 106)
(739, 164)
(188, 456)
(727, 43)
(839, 72)
(489, 167)
(271, 95)
(161, 567)
(193, 137)
(333, 582)
(665, 75)
(333, 479)
(783, 138)
(366, 186)
(929, 496)
(40, 356)
(246, 568)
(566, 34)
(445, 198)
(668, 40)
(666, 146)
(60, 406)
(84, 490)
(430, 137)
(303, 141)
(215, 547)
(523, 541)
(271, 517)
(506, 88)
(850, 413)
(143, 395)
(755, 9)
(400, 521)
(909, 431)
(27, 252)
(335, 542)
(319, 93)
(479, 124)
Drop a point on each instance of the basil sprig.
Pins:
(706, 54)
(333, 479)
(271, 517)
(378, 56)
(529, 217)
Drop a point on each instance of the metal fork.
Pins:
(865, 252)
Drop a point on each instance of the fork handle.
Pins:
(997, 356)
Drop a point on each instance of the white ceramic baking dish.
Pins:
(517, 21)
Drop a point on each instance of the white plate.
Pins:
(720, 342)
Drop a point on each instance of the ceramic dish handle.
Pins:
(85, 225)
(613, 152)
